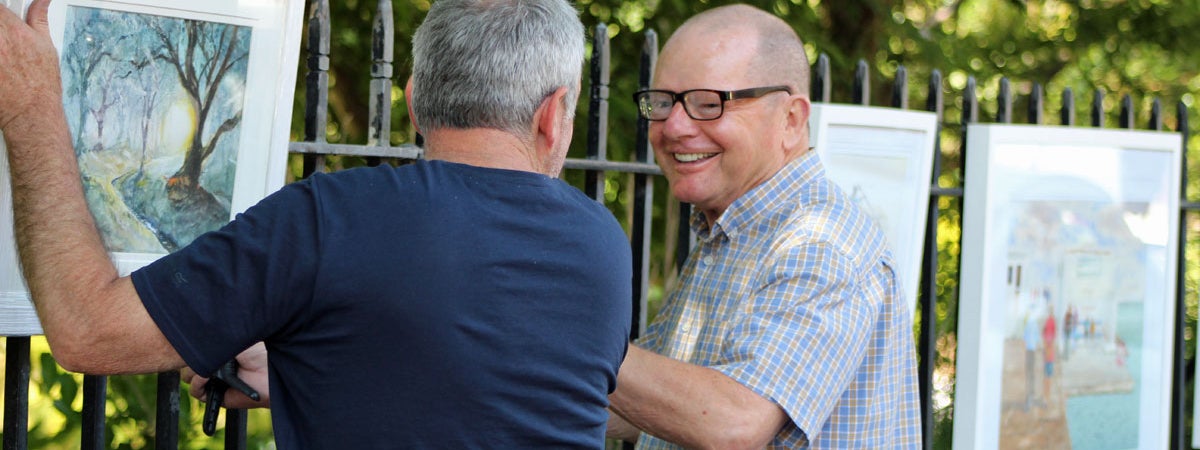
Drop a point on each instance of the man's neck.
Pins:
(481, 147)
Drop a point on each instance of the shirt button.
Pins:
(708, 260)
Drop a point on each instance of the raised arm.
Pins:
(92, 317)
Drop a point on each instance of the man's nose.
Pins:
(678, 122)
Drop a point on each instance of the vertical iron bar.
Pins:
(1098, 109)
(927, 346)
(821, 81)
(1156, 119)
(862, 84)
(643, 204)
(166, 422)
(1004, 107)
(1036, 104)
(235, 426)
(597, 133)
(641, 226)
(16, 393)
(95, 388)
(1067, 113)
(316, 89)
(684, 235)
(1127, 119)
(900, 89)
(379, 127)
(683, 231)
(970, 111)
(1180, 369)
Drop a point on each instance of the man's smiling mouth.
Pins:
(692, 157)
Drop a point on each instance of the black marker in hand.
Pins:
(214, 390)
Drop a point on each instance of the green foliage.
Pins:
(56, 399)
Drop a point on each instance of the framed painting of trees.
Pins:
(179, 113)
(1069, 254)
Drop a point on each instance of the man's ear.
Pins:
(408, 101)
(796, 130)
(548, 130)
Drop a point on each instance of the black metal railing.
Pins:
(314, 150)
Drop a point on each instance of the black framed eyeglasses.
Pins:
(700, 104)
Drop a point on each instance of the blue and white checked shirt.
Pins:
(792, 293)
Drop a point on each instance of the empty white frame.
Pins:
(1067, 301)
(882, 158)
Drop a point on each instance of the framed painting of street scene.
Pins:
(882, 158)
(179, 113)
(1068, 272)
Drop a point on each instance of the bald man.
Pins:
(788, 328)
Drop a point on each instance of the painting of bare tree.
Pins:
(155, 105)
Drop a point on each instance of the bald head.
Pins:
(779, 56)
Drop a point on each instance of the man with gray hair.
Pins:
(467, 300)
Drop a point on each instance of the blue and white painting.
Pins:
(1074, 263)
(155, 107)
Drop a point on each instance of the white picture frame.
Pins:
(1062, 220)
(167, 149)
(17, 6)
(882, 158)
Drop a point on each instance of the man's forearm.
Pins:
(91, 316)
(693, 406)
(64, 262)
(50, 218)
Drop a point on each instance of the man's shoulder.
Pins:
(821, 226)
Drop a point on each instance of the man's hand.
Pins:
(30, 78)
(252, 370)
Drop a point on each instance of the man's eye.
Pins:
(708, 107)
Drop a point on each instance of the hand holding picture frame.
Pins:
(180, 114)
(1069, 264)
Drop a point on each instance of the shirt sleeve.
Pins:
(238, 285)
(802, 336)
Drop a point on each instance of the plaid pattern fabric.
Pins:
(792, 293)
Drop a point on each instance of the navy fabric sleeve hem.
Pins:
(168, 328)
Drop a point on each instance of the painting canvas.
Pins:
(1067, 302)
(155, 106)
(883, 158)
(179, 117)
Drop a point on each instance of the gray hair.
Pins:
(491, 63)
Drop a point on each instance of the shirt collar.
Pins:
(759, 200)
